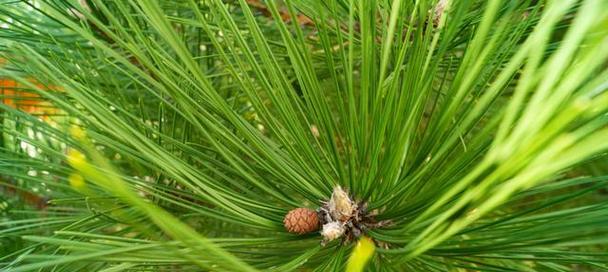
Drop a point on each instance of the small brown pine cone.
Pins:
(301, 220)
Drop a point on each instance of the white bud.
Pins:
(439, 10)
(341, 207)
(332, 230)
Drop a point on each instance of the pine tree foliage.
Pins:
(183, 131)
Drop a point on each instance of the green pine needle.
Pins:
(176, 135)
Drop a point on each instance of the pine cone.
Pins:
(301, 220)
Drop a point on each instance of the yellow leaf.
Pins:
(362, 252)
(76, 159)
(76, 180)
(77, 132)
